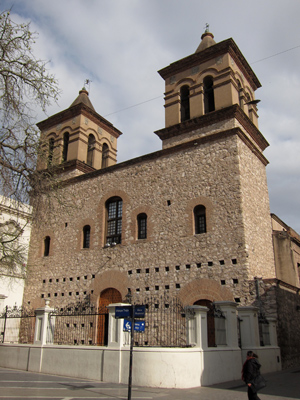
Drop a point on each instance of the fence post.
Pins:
(41, 325)
(229, 309)
(249, 327)
(116, 336)
(197, 327)
(272, 331)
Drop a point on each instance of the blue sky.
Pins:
(121, 44)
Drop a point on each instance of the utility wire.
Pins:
(277, 54)
(159, 97)
(134, 105)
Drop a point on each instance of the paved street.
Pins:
(26, 385)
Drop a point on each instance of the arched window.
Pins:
(209, 98)
(47, 241)
(240, 89)
(142, 226)
(200, 219)
(50, 151)
(114, 220)
(86, 236)
(185, 103)
(90, 150)
(65, 148)
(105, 151)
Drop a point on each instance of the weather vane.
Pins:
(87, 82)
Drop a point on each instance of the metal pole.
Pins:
(130, 356)
(5, 317)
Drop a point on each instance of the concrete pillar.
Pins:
(272, 331)
(197, 326)
(43, 321)
(116, 337)
(249, 327)
(229, 310)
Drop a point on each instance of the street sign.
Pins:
(139, 311)
(126, 311)
(139, 326)
(123, 311)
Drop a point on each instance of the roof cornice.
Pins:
(213, 117)
(74, 111)
(226, 46)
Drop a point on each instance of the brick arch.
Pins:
(207, 289)
(185, 81)
(110, 279)
(208, 72)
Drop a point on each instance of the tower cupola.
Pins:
(78, 138)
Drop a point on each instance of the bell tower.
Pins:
(212, 85)
(78, 139)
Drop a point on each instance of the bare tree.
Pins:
(25, 85)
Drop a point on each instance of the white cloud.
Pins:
(120, 44)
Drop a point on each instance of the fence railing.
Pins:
(165, 323)
(17, 325)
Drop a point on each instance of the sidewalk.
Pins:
(280, 385)
(15, 384)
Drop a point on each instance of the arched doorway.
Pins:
(107, 296)
(211, 341)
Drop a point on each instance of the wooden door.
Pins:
(108, 296)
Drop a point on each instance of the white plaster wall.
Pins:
(153, 367)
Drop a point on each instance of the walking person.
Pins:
(251, 375)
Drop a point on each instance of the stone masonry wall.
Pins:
(256, 214)
(172, 259)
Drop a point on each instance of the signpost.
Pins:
(131, 312)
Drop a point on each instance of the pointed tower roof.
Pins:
(207, 40)
(83, 98)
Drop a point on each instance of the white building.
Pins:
(15, 223)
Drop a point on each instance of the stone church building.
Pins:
(190, 222)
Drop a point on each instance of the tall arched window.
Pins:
(50, 151)
(209, 98)
(47, 241)
(86, 236)
(114, 220)
(240, 90)
(66, 145)
(105, 151)
(90, 150)
(200, 219)
(185, 103)
(142, 226)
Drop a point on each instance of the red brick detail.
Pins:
(204, 289)
(110, 279)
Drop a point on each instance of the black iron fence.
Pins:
(84, 324)
(79, 324)
(17, 325)
(165, 323)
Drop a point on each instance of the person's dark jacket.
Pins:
(251, 370)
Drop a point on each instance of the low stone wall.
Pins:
(153, 367)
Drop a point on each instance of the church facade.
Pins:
(191, 221)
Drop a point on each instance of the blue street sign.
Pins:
(126, 311)
(139, 326)
(123, 312)
(139, 311)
